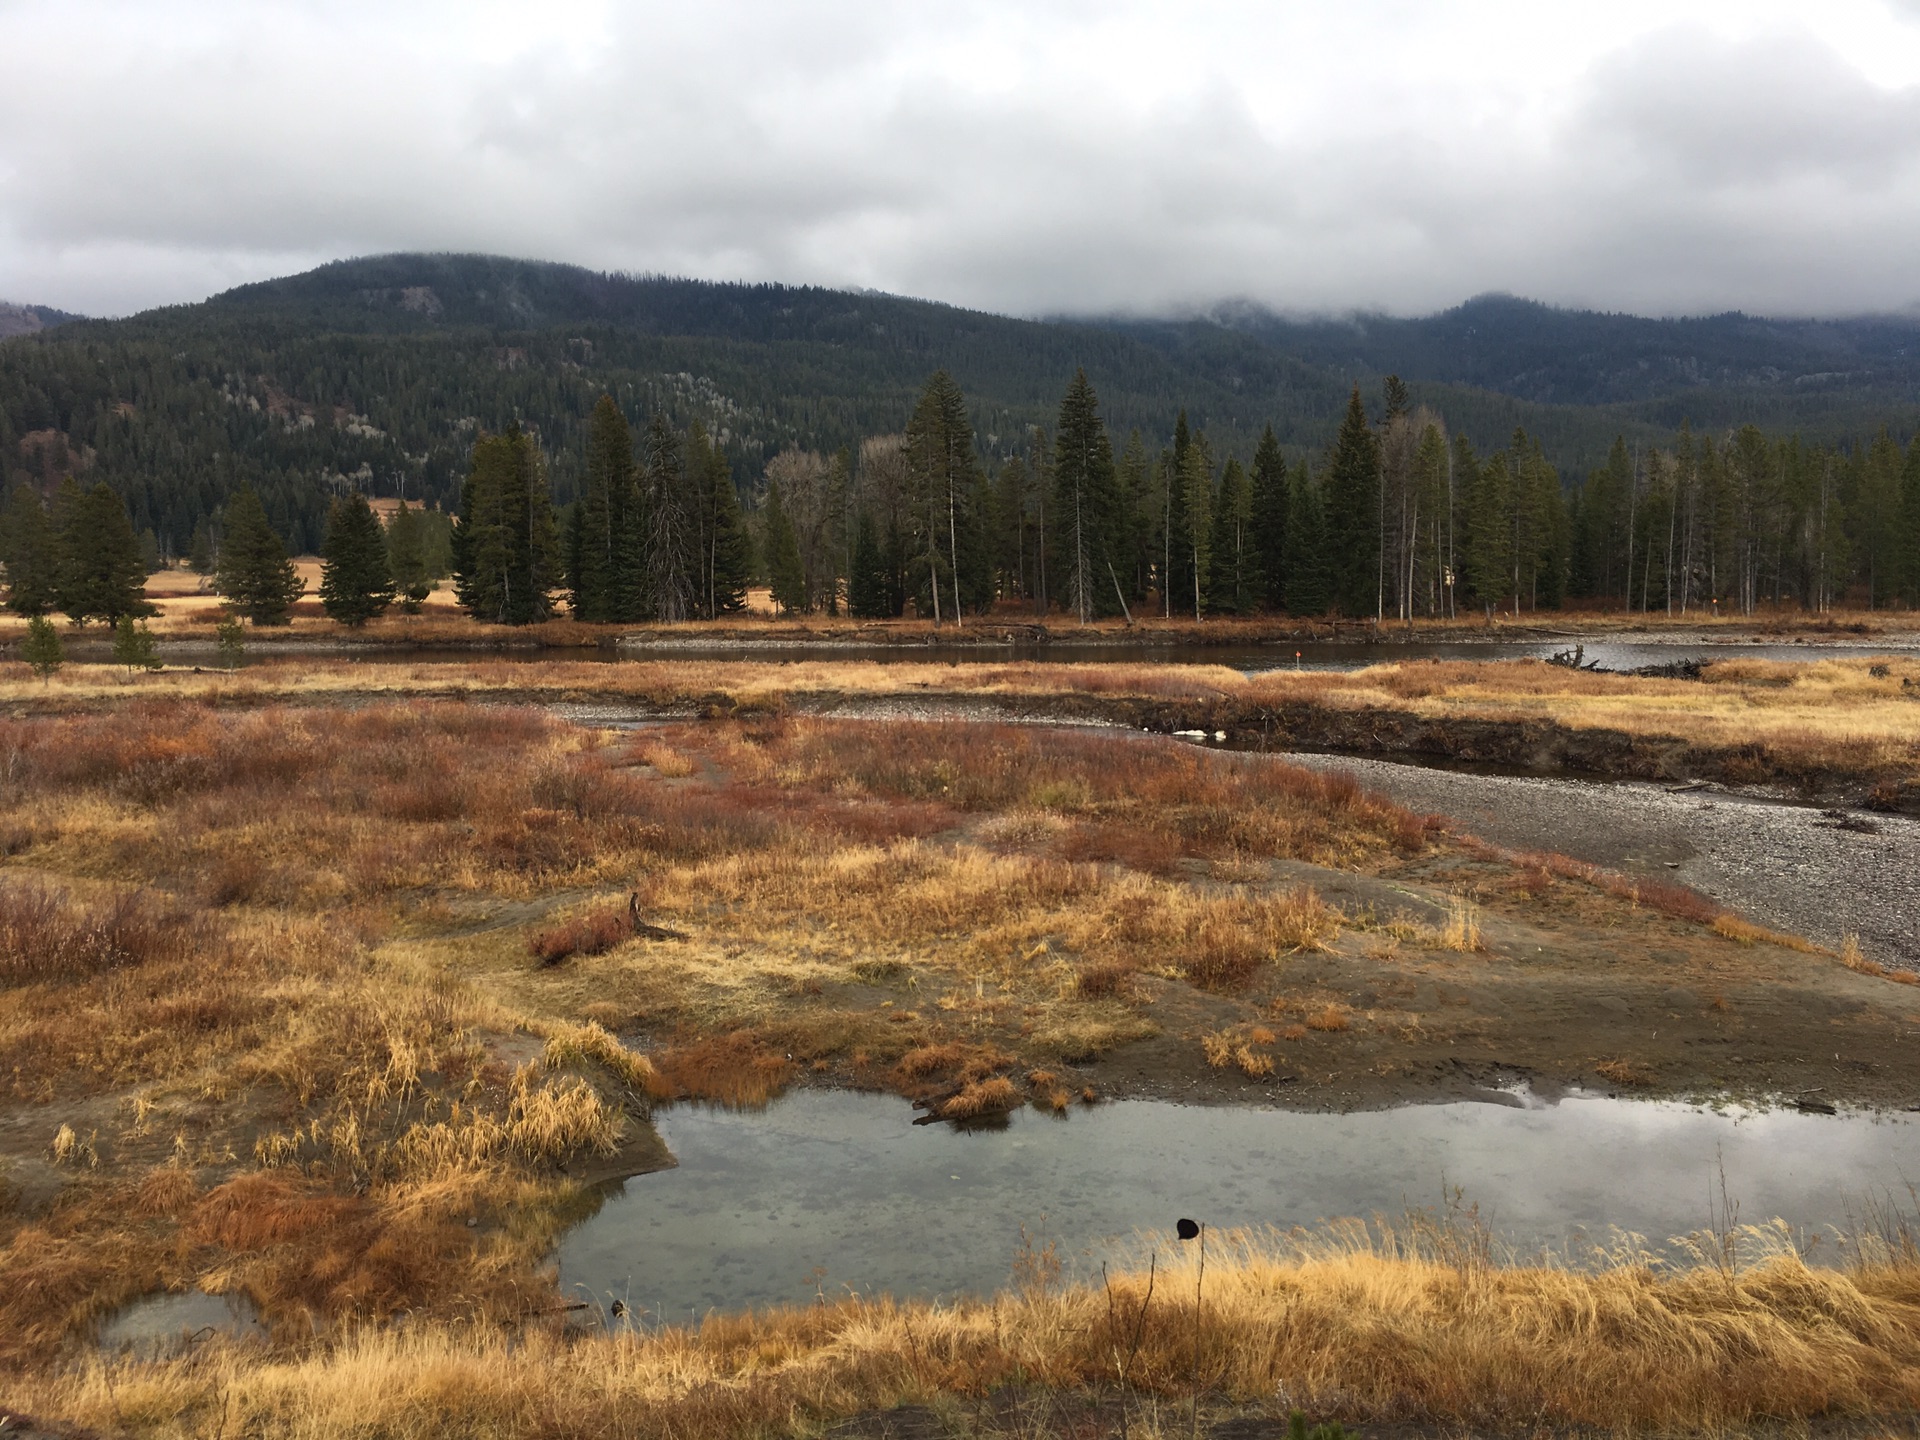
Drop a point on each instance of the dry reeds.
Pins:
(1408, 1327)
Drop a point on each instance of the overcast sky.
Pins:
(1659, 156)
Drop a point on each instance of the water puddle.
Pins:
(826, 1192)
(159, 1325)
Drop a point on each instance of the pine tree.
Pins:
(785, 575)
(255, 574)
(1352, 502)
(869, 591)
(231, 640)
(941, 470)
(1271, 503)
(1196, 508)
(1176, 530)
(1909, 539)
(505, 549)
(1085, 506)
(200, 549)
(407, 558)
(1309, 573)
(100, 573)
(32, 553)
(355, 583)
(672, 558)
(729, 552)
(597, 529)
(1233, 581)
(42, 648)
(133, 645)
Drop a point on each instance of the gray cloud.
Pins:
(1033, 159)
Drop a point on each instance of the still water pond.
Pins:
(827, 1191)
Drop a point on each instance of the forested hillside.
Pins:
(1744, 455)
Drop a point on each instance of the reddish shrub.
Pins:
(45, 936)
(592, 933)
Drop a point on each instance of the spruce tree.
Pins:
(255, 574)
(42, 648)
(1271, 502)
(1309, 573)
(1352, 502)
(31, 552)
(786, 577)
(672, 541)
(231, 640)
(1233, 579)
(726, 561)
(1196, 508)
(100, 574)
(1176, 538)
(869, 587)
(597, 530)
(133, 645)
(1909, 539)
(1085, 505)
(941, 470)
(200, 548)
(355, 583)
(506, 553)
(407, 558)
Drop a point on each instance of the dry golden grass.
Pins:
(1414, 1326)
(1759, 720)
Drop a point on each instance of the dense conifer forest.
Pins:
(642, 448)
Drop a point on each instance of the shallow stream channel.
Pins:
(827, 1192)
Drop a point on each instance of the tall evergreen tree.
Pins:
(1176, 530)
(1352, 502)
(200, 557)
(407, 558)
(1909, 539)
(1308, 565)
(786, 576)
(31, 551)
(1085, 502)
(355, 583)
(255, 575)
(505, 550)
(673, 561)
(1196, 509)
(941, 470)
(728, 560)
(1271, 503)
(869, 591)
(1233, 571)
(101, 575)
(596, 531)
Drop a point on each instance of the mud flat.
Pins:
(1797, 868)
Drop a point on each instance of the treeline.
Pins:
(1396, 519)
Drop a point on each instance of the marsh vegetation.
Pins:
(339, 986)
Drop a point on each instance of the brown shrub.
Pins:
(592, 933)
(46, 936)
(1330, 1017)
